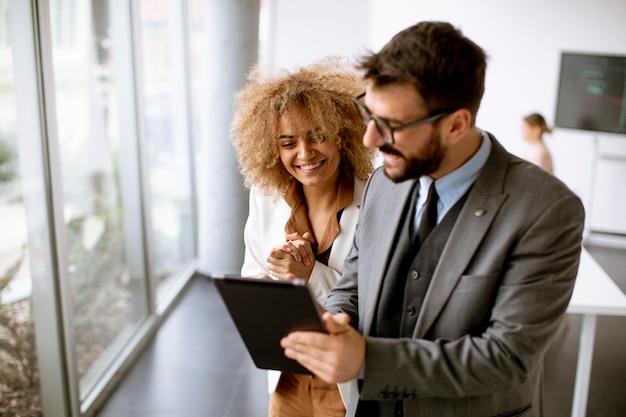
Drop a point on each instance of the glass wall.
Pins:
(19, 373)
(166, 127)
(97, 195)
(106, 302)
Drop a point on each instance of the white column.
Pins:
(232, 48)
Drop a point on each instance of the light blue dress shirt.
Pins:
(451, 187)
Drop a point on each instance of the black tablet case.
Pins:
(264, 311)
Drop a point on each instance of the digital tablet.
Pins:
(264, 311)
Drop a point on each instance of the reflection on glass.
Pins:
(199, 71)
(167, 139)
(19, 377)
(104, 303)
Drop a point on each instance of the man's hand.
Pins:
(334, 357)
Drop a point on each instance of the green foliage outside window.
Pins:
(19, 373)
(8, 163)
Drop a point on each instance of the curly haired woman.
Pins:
(298, 137)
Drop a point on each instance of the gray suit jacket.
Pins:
(495, 301)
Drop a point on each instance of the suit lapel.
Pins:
(391, 200)
(476, 217)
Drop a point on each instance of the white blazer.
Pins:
(265, 228)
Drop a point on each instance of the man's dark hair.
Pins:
(447, 68)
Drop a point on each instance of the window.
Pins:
(19, 370)
(103, 256)
(167, 140)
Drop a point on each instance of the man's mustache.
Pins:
(388, 149)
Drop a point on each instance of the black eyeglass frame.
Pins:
(367, 116)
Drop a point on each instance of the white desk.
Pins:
(595, 294)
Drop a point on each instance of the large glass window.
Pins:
(97, 199)
(167, 140)
(19, 376)
(103, 264)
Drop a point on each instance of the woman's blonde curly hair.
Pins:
(325, 88)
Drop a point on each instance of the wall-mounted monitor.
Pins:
(592, 93)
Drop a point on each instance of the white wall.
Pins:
(524, 40)
(302, 31)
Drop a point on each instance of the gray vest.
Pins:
(409, 273)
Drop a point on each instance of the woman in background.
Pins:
(298, 138)
(533, 127)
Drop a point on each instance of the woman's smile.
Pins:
(310, 166)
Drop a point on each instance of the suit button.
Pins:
(410, 310)
(415, 274)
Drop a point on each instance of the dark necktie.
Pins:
(429, 215)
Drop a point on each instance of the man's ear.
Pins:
(457, 125)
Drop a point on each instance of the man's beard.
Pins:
(416, 167)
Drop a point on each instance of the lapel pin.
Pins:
(479, 212)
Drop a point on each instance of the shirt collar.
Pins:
(452, 186)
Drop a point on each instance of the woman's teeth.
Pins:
(311, 166)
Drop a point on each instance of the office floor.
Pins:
(198, 367)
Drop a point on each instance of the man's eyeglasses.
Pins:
(383, 127)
